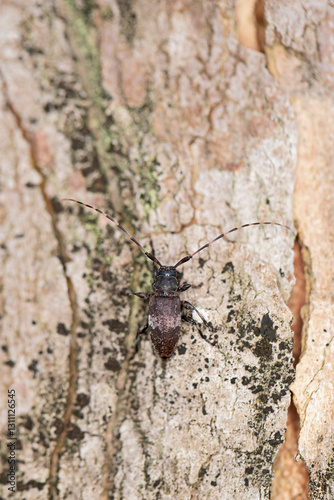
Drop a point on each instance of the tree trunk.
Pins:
(300, 55)
(156, 114)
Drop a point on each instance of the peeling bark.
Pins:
(300, 55)
(156, 114)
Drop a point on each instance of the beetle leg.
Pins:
(141, 330)
(189, 306)
(141, 295)
(183, 288)
(191, 320)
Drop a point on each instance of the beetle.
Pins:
(165, 306)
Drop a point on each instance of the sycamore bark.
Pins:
(155, 113)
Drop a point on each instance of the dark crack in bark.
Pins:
(289, 474)
(63, 257)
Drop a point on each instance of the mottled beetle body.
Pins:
(164, 322)
(164, 312)
(165, 306)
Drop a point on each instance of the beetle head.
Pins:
(166, 279)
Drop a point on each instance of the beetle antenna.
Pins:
(223, 235)
(148, 255)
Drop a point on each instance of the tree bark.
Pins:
(154, 113)
(300, 55)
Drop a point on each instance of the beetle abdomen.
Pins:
(164, 320)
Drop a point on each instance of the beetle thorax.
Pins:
(166, 279)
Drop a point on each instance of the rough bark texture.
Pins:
(300, 51)
(153, 112)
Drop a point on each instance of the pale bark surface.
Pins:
(153, 112)
(300, 50)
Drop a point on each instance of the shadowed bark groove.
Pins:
(299, 51)
(63, 258)
(291, 476)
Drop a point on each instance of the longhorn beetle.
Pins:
(165, 305)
